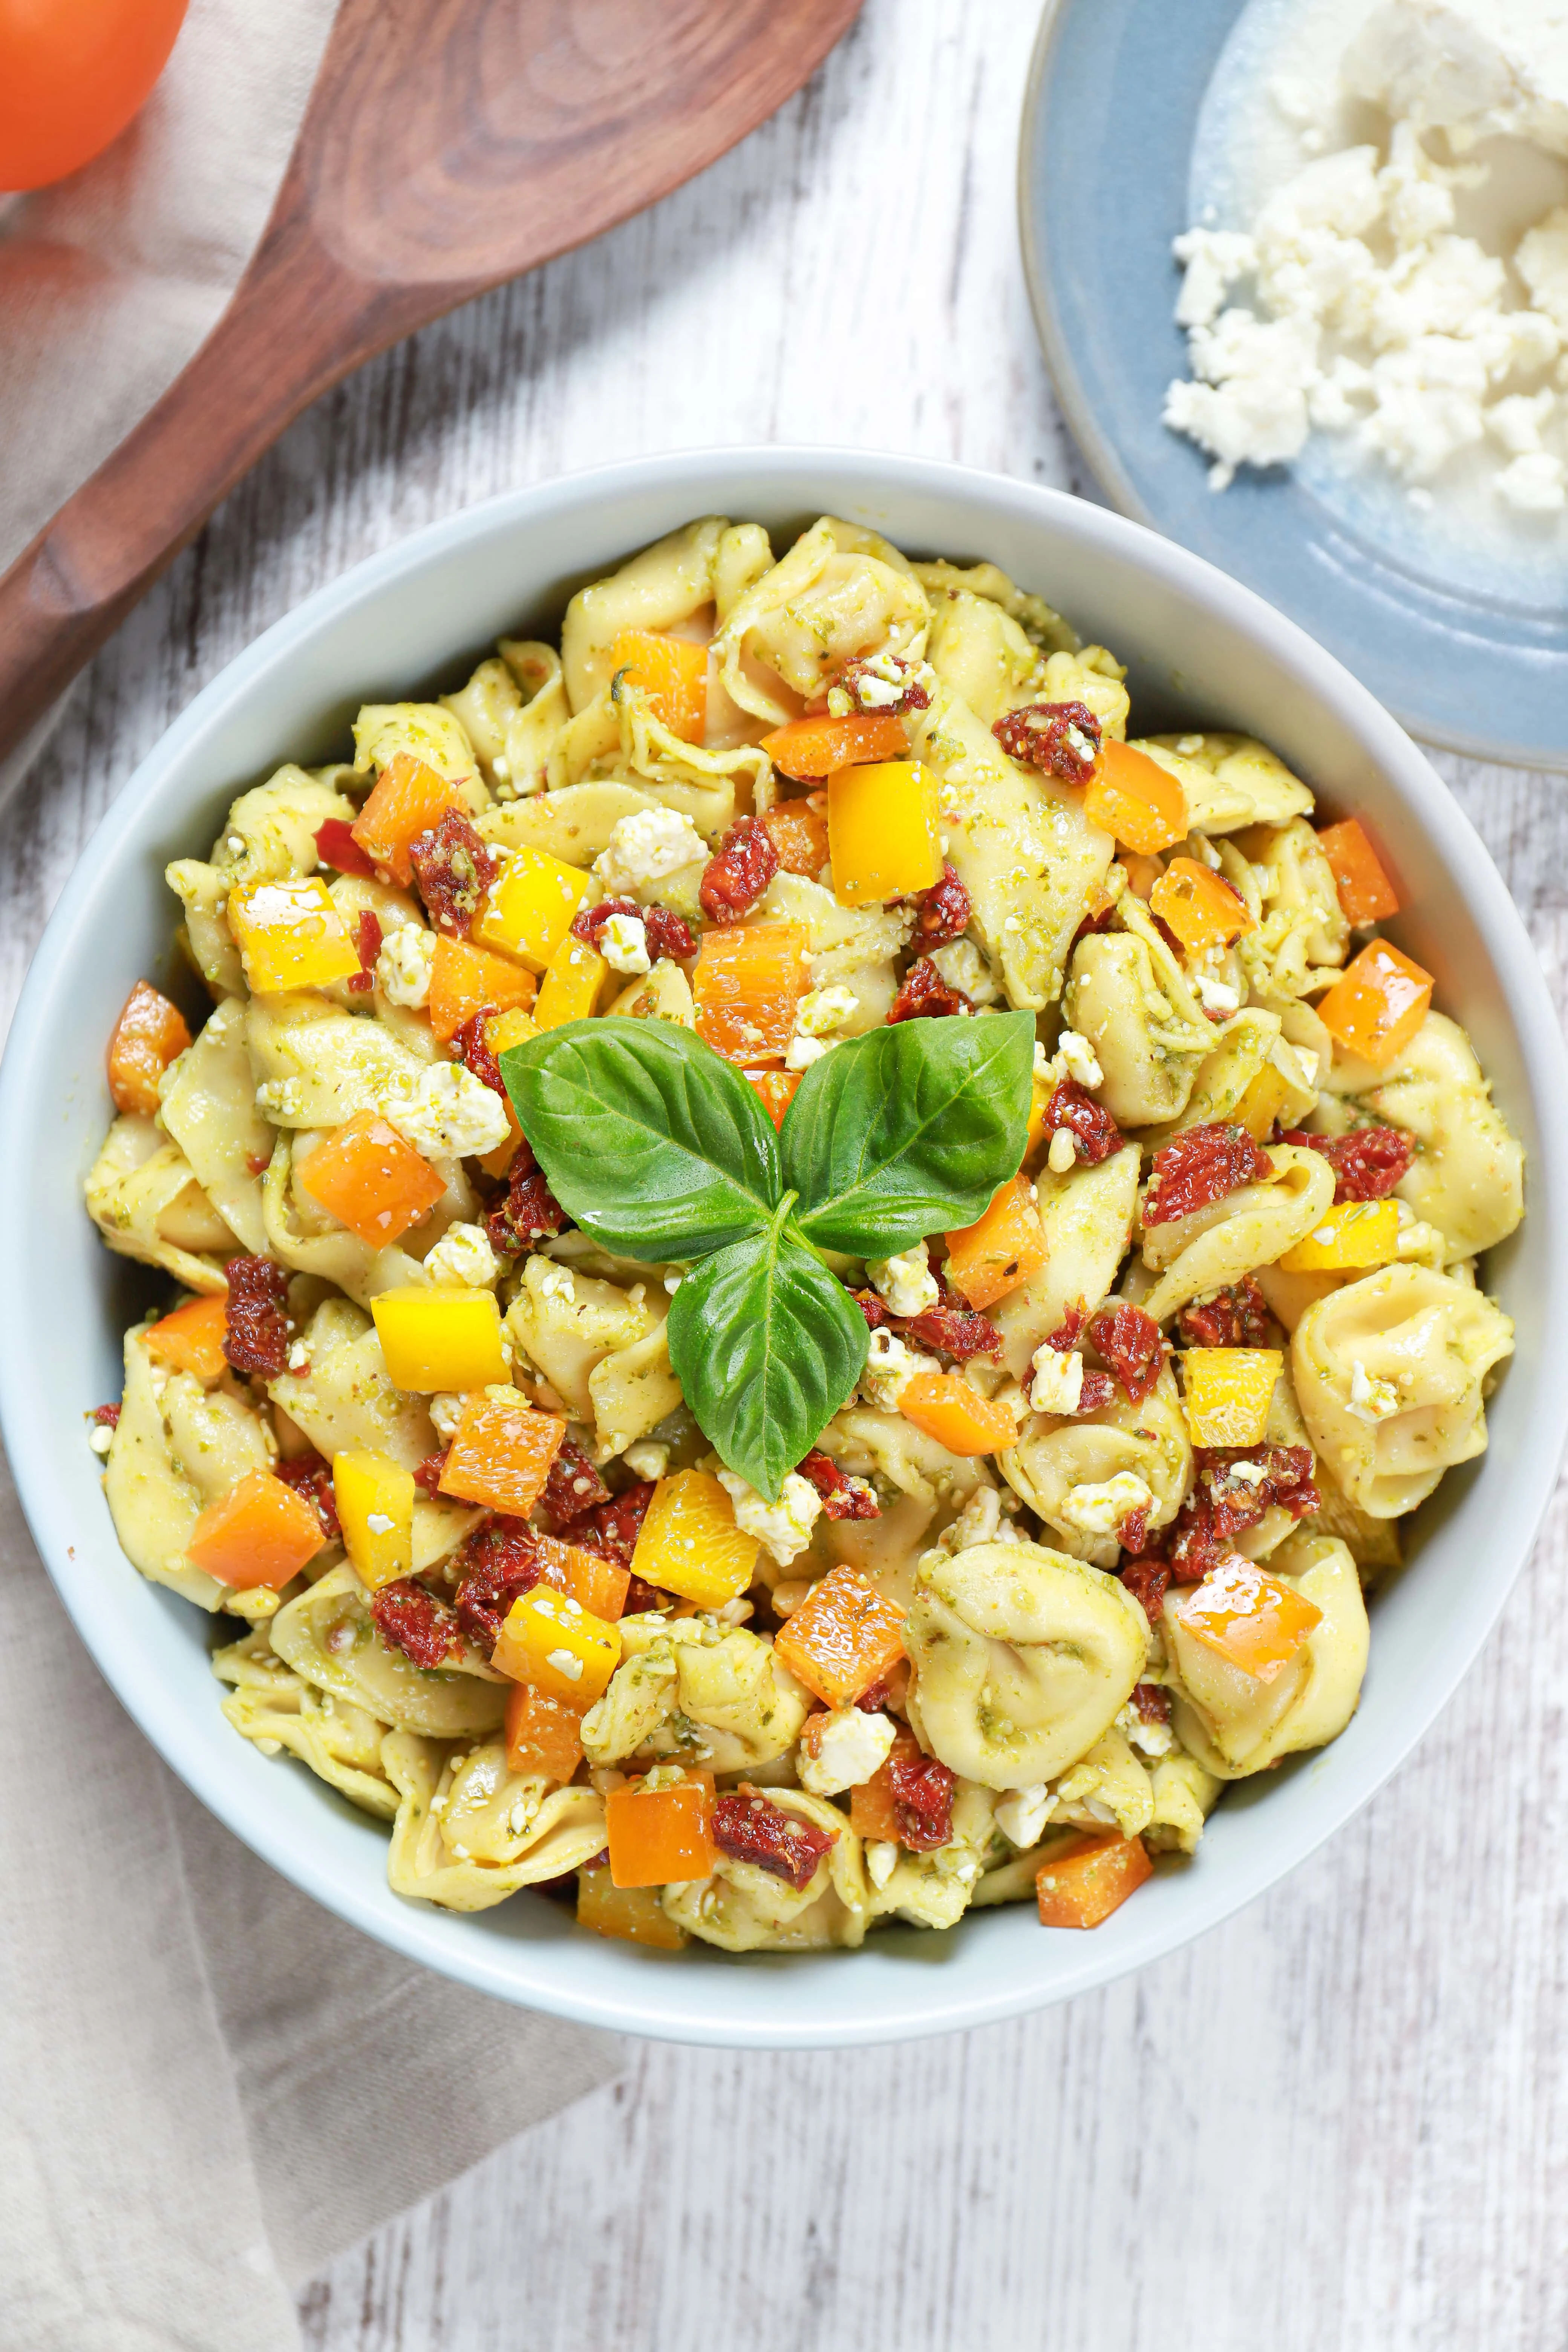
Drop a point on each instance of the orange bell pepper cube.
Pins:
(799, 837)
(149, 1034)
(465, 980)
(746, 986)
(1000, 1250)
(1083, 1884)
(884, 829)
(556, 1645)
(543, 1735)
(408, 799)
(871, 1809)
(671, 675)
(290, 935)
(260, 1532)
(191, 1338)
(1366, 894)
(949, 1410)
(1200, 907)
(776, 1089)
(600, 1585)
(844, 1636)
(570, 989)
(371, 1179)
(632, 1915)
(688, 1543)
(661, 1834)
(1135, 800)
(1377, 1005)
(501, 1453)
(808, 748)
(1252, 1620)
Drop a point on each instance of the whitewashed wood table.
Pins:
(1341, 2121)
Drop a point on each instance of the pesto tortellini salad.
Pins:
(808, 1284)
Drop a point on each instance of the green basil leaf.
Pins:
(908, 1130)
(651, 1141)
(766, 1345)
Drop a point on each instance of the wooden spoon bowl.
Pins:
(447, 146)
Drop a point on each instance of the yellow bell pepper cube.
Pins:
(511, 1028)
(884, 833)
(290, 935)
(1227, 1393)
(440, 1336)
(689, 1542)
(530, 906)
(1352, 1233)
(571, 986)
(554, 1644)
(375, 1510)
(1262, 1103)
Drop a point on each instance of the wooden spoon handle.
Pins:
(280, 343)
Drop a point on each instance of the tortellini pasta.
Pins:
(1234, 1723)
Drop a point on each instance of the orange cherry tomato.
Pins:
(72, 74)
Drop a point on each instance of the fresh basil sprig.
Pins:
(661, 1150)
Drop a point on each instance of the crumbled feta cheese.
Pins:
(464, 1255)
(976, 1524)
(378, 1523)
(403, 968)
(1303, 1059)
(891, 1366)
(962, 966)
(1062, 1155)
(849, 1747)
(567, 1663)
(1371, 1400)
(450, 1113)
(1534, 484)
(801, 1052)
(1021, 1813)
(1098, 1510)
(1149, 1739)
(1056, 1380)
(555, 1281)
(1077, 1058)
(646, 1460)
(905, 1284)
(299, 1357)
(783, 1529)
(822, 1009)
(100, 1439)
(623, 943)
(445, 1410)
(1214, 995)
(881, 1861)
(646, 847)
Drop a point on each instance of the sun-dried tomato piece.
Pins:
(921, 1791)
(873, 1308)
(310, 1476)
(531, 1211)
(1368, 1162)
(573, 1484)
(1061, 738)
(411, 1620)
(453, 869)
(641, 1596)
(955, 1331)
(1099, 921)
(889, 1690)
(886, 685)
(737, 875)
(613, 1528)
(1095, 1134)
(1147, 1580)
(1130, 1342)
(428, 1474)
(668, 935)
(1237, 1317)
(749, 1828)
(336, 847)
(368, 937)
(256, 1324)
(1097, 1391)
(942, 912)
(926, 996)
(107, 1416)
(1152, 1702)
(471, 1047)
(1198, 1168)
(843, 1497)
(501, 1560)
(1132, 1531)
(1070, 1330)
(1233, 1489)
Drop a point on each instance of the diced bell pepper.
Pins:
(844, 1636)
(555, 1645)
(1083, 1884)
(149, 1033)
(371, 1179)
(746, 986)
(408, 799)
(1227, 1393)
(1135, 800)
(1377, 1005)
(290, 935)
(543, 1735)
(949, 1410)
(571, 986)
(191, 1338)
(808, 748)
(661, 1834)
(501, 1453)
(464, 979)
(1000, 1250)
(1252, 1620)
(1352, 1233)
(884, 829)
(689, 1542)
(632, 1915)
(375, 1498)
(776, 1089)
(1366, 894)
(440, 1336)
(260, 1532)
(670, 673)
(1201, 907)
(799, 837)
(530, 907)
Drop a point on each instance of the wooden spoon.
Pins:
(447, 146)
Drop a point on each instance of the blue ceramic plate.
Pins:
(1468, 652)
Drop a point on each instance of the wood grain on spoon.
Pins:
(447, 146)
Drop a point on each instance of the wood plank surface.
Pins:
(1338, 2122)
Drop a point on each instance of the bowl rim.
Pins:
(645, 2006)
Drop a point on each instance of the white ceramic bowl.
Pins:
(1202, 649)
